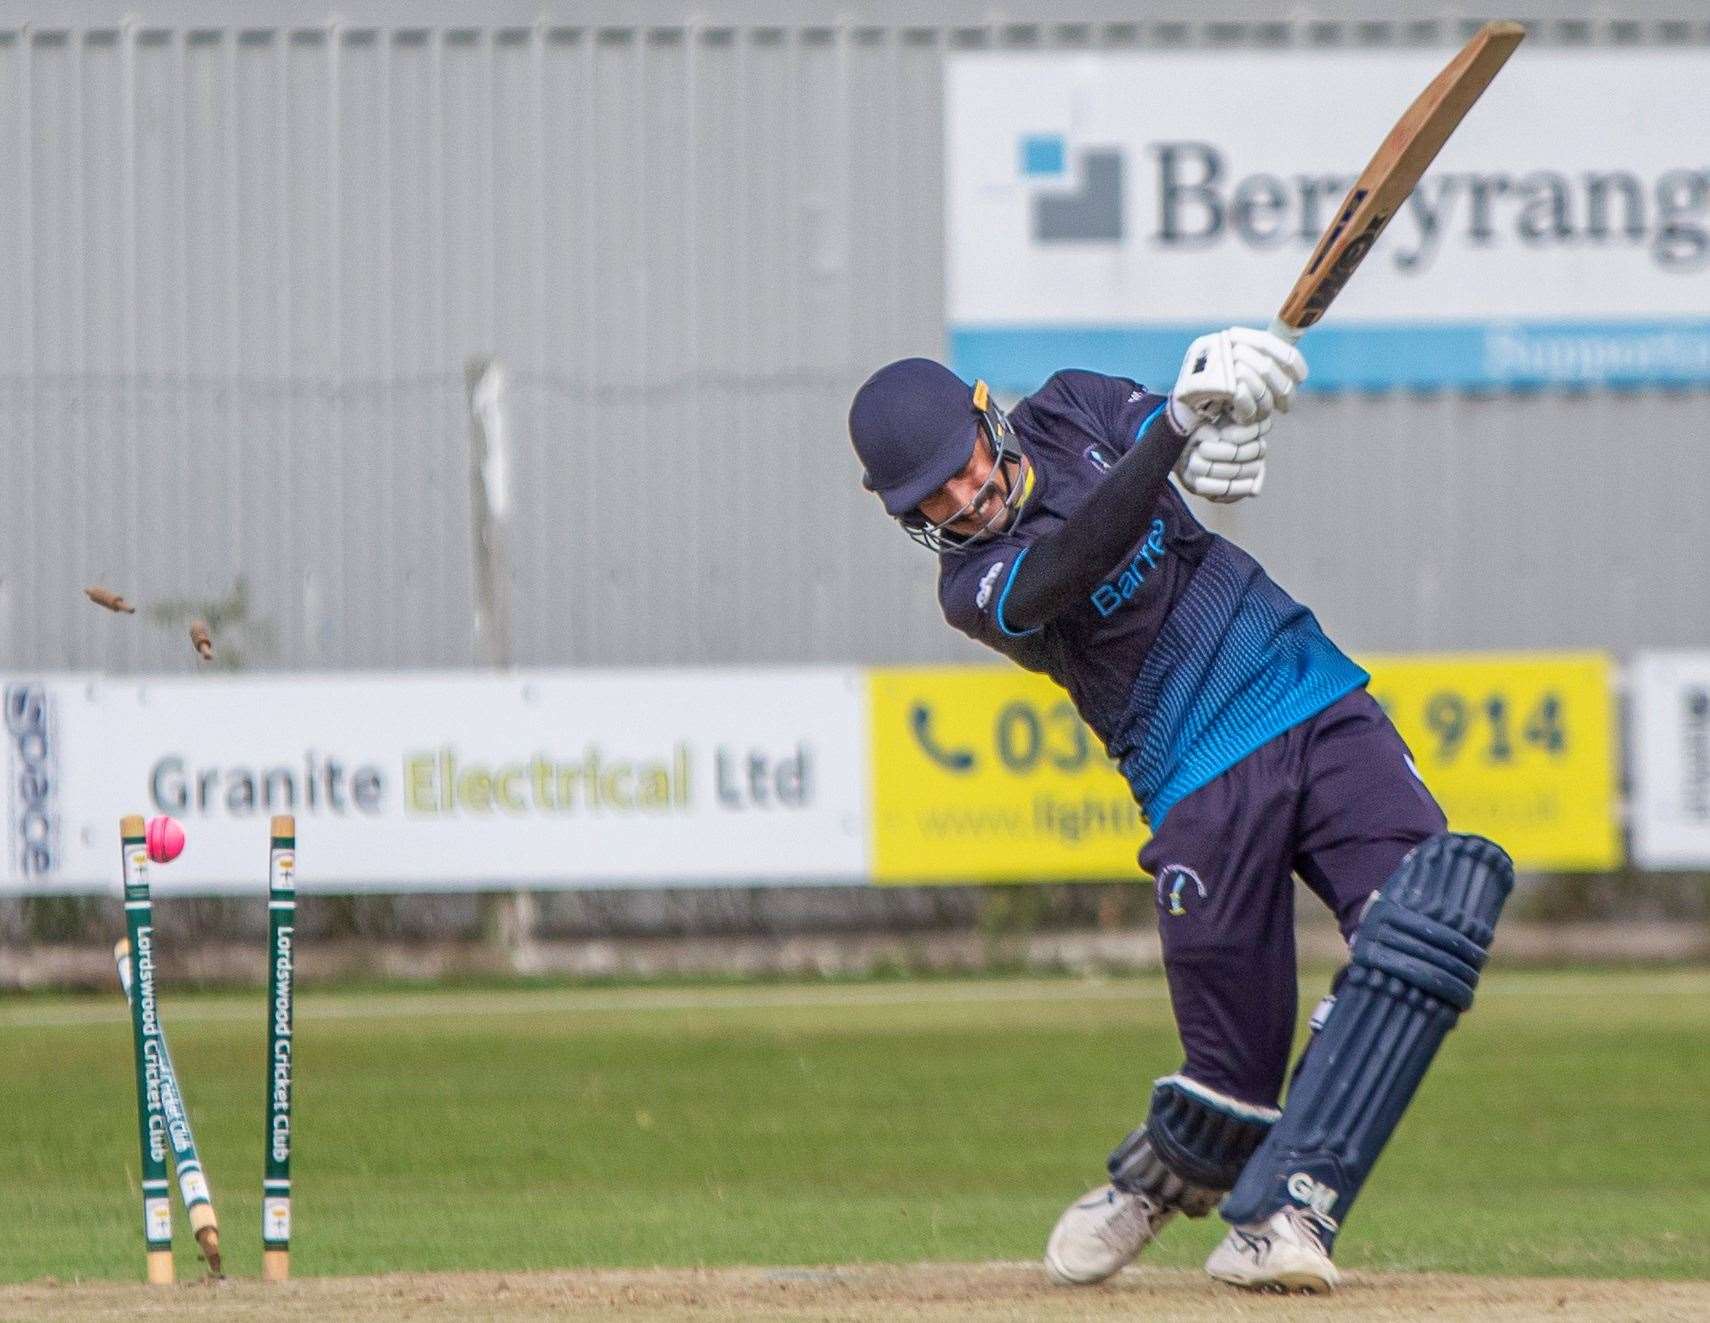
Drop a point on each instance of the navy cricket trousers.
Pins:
(1336, 800)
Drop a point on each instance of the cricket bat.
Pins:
(1392, 174)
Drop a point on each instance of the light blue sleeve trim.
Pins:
(997, 611)
(1150, 418)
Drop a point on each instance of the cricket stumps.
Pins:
(150, 1048)
(187, 1161)
(281, 970)
(163, 1120)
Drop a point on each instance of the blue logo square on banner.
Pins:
(1042, 154)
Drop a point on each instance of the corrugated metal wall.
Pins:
(245, 249)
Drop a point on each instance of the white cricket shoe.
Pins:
(1285, 1253)
(1101, 1232)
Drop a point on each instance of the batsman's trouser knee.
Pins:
(1415, 961)
(1193, 1145)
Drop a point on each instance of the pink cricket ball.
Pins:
(165, 839)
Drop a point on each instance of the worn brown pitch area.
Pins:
(855, 1295)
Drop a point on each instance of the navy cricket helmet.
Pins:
(914, 423)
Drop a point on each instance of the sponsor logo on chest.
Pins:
(1120, 589)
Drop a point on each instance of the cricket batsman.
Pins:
(1255, 753)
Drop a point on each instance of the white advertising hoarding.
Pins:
(416, 782)
(1670, 698)
(1104, 208)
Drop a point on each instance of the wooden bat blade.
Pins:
(1393, 172)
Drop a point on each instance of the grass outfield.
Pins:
(1562, 1133)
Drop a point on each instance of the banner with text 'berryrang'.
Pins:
(1103, 208)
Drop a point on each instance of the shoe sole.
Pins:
(1290, 1283)
(1061, 1278)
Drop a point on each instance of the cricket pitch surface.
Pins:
(856, 1294)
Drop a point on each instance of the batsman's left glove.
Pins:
(1224, 461)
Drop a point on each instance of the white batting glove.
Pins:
(1224, 461)
(1246, 373)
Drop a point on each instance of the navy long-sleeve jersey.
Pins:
(1186, 656)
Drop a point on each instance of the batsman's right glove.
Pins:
(1242, 372)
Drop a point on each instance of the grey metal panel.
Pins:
(1052, 19)
(248, 248)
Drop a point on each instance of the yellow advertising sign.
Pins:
(1518, 747)
(986, 774)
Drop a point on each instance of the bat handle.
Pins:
(1283, 331)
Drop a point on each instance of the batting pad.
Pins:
(1194, 1143)
(1414, 964)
